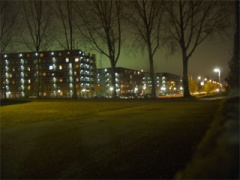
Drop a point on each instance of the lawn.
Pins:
(101, 139)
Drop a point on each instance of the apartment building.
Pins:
(48, 74)
(166, 83)
(128, 82)
(135, 83)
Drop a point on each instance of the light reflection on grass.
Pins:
(76, 110)
(100, 139)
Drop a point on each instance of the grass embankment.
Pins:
(217, 155)
(101, 139)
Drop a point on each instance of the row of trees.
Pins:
(105, 25)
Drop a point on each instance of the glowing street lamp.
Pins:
(217, 70)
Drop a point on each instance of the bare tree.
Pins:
(192, 22)
(37, 15)
(146, 20)
(8, 19)
(101, 27)
(66, 16)
(233, 77)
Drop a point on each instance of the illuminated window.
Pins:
(75, 72)
(60, 80)
(28, 55)
(67, 59)
(77, 66)
(44, 73)
(76, 59)
(28, 68)
(29, 88)
(20, 55)
(41, 54)
(29, 81)
(60, 67)
(13, 82)
(50, 67)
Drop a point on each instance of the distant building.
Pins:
(166, 83)
(49, 73)
(53, 74)
(135, 83)
(128, 82)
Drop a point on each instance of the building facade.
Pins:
(128, 82)
(73, 74)
(49, 74)
(166, 84)
(135, 83)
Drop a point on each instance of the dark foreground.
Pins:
(82, 140)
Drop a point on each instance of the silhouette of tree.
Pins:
(146, 19)
(8, 19)
(233, 77)
(101, 27)
(37, 15)
(66, 16)
(192, 22)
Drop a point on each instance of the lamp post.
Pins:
(219, 72)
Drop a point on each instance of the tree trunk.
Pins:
(186, 92)
(150, 55)
(38, 75)
(233, 77)
(153, 89)
(114, 93)
(3, 89)
(74, 95)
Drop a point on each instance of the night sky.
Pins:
(212, 53)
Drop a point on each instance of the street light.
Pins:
(217, 70)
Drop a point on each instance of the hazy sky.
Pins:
(210, 54)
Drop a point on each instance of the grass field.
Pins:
(101, 139)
